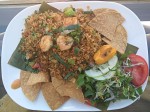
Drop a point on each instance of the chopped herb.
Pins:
(72, 27)
(31, 63)
(76, 35)
(76, 50)
(77, 39)
(49, 33)
(55, 46)
(61, 29)
(69, 75)
(49, 17)
(59, 59)
(87, 12)
(71, 61)
(80, 80)
(80, 69)
(69, 11)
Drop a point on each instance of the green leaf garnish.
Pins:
(131, 48)
(71, 61)
(88, 93)
(18, 60)
(69, 75)
(87, 12)
(80, 80)
(69, 11)
(59, 59)
(76, 50)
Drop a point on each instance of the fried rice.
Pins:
(39, 24)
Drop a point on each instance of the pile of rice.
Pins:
(39, 24)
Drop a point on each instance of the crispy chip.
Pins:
(37, 78)
(57, 82)
(106, 23)
(101, 10)
(52, 97)
(120, 39)
(67, 88)
(30, 91)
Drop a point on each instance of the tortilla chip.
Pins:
(120, 40)
(30, 91)
(101, 10)
(37, 78)
(57, 82)
(106, 23)
(52, 97)
(67, 88)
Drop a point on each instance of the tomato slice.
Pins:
(139, 73)
(88, 102)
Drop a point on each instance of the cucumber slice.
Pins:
(108, 75)
(109, 65)
(104, 69)
(112, 62)
(93, 73)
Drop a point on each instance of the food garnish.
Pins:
(137, 67)
(105, 53)
(16, 84)
(69, 11)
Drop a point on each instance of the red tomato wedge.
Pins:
(88, 102)
(138, 72)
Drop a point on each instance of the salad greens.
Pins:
(102, 92)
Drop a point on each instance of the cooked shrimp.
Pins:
(64, 42)
(56, 17)
(46, 43)
(70, 21)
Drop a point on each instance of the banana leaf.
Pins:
(131, 48)
(45, 7)
(19, 60)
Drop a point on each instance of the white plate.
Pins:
(136, 36)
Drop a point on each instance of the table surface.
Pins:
(140, 9)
